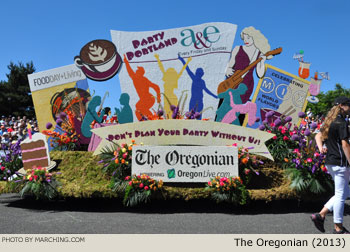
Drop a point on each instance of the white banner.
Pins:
(55, 77)
(185, 163)
(165, 65)
(184, 132)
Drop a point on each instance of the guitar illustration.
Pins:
(234, 80)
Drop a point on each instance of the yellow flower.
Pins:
(123, 150)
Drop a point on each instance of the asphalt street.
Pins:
(21, 216)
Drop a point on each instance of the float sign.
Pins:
(185, 163)
(281, 92)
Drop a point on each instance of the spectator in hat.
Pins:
(2, 129)
(5, 138)
(335, 135)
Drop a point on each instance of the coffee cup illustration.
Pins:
(99, 60)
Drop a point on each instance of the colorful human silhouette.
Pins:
(142, 86)
(246, 108)
(91, 115)
(170, 78)
(197, 88)
(226, 105)
(125, 114)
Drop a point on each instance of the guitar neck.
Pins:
(273, 52)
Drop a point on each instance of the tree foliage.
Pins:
(15, 96)
(327, 99)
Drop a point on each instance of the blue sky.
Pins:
(51, 33)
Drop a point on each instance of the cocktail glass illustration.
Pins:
(314, 89)
(304, 69)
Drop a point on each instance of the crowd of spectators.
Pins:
(312, 122)
(14, 128)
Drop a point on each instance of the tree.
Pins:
(326, 100)
(15, 95)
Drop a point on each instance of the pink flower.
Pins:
(125, 155)
(274, 137)
(130, 182)
(127, 177)
(283, 131)
(296, 151)
(146, 188)
(309, 160)
(2, 168)
(209, 183)
(223, 179)
(285, 138)
(235, 144)
(222, 183)
(317, 154)
(246, 171)
(280, 128)
(141, 185)
(31, 178)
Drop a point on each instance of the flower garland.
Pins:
(230, 190)
(40, 183)
(141, 189)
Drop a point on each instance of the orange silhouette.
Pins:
(170, 78)
(142, 86)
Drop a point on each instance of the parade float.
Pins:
(192, 123)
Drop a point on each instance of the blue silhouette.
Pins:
(91, 115)
(198, 86)
(125, 114)
(226, 106)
